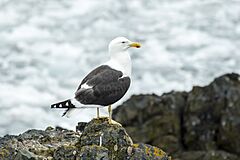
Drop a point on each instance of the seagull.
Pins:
(106, 84)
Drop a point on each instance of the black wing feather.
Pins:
(108, 86)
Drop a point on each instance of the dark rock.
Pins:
(205, 119)
(36, 144)
(68, 152)
(32, 134)
(207, 155)
(153, 119)
(212, 116)
(80, 127)
(25, 155)
(229, 127)
(94, 152)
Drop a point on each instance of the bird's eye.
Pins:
(123, 42)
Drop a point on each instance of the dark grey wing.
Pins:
(92, 74)
(110, 93)
(107, 87)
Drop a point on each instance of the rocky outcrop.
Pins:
(98, 140)
(201, 124)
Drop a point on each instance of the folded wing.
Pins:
(103, 86)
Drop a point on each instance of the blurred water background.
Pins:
(47, 46)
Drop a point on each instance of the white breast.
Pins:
(121, 62)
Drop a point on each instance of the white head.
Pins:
(119, 57)
(121, 44)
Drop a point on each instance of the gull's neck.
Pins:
(121, 61)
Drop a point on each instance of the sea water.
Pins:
(48, 46)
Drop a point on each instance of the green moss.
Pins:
(100, 120)
(149, 151)
(135, 145)
(4, 153)
(43, 152)
(158, 152)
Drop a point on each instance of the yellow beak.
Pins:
(135, 44)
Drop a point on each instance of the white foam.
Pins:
(47, 48)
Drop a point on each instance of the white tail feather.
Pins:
(69, 112)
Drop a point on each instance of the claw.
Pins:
(114, 122)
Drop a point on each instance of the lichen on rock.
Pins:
(99, 140)
(116, 140)
(94, 152)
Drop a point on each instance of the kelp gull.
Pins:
(106, 84)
